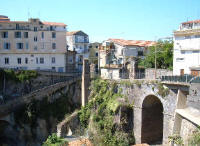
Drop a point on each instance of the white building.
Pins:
(32, 45)
(115, 56)
(187, 49)
(78, 41)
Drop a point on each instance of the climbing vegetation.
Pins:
(19, 75)
(195, 138)
(176, 139)
(100, 112)
(162, 91)
(53, 140)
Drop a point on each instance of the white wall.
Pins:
(32, 65)
(186, 54)
(110, 73)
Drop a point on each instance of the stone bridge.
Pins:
(39, 94)
(158, 111)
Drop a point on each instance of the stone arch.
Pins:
(152, 120)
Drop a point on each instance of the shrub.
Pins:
(195, 138)
(176, 139)
(53, 140)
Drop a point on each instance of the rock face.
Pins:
(36, 120)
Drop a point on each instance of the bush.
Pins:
(101, 108)
(176, 139)
(53, 140)
(195, 138)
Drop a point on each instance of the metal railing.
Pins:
(181, 79)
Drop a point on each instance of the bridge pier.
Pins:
(85, 82)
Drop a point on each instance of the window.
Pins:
(35, 28)
(35, 48)
(18, 34)
(53, 45)
(53, 35)
(96, 46)
(25, 34)
(195, 51)
(26, 45)
(53, 60)
(17, 26)
(53, 68)
(6, 60)
(96, 54)
(42, 35)
(35, 39)
(19, 60)
(140, 53)
(42, 60)
(26, 60)
(6, 45)
(5, 34)
(51, 28)
(19, 45)
(187, 37)
(36, 60)
(182, 52)
(179, 59)
(197, 36)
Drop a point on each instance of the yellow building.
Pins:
(32, 44)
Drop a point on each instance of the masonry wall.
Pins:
(150, 73)
(136, 94)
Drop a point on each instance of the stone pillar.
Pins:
(85, 82)
(92, 70)
(132, 69)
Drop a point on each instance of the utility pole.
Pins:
(155, 59)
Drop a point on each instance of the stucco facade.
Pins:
(33, 44)
(120, 52)
(78, 41)
(186, 48)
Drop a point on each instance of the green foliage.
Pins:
(101, 110)
(164, 56)
(176, 139)
(20, 75)
(162, 91)
(195, 138)
(53, 140)
(44, 109)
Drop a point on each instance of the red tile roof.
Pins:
(140, 43)
(45, 23)
(54, 23)
(194, 21)
(72, 32)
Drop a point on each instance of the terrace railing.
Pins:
(181, 79)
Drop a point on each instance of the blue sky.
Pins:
(103, 19)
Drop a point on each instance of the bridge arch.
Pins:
(152, 120)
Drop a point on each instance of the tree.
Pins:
(164, 56)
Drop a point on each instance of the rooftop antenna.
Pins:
(28, 13)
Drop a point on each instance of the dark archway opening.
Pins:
(152, 120)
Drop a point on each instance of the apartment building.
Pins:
(32, 45)
(116, 56)
(78, 41)
(186, 58)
